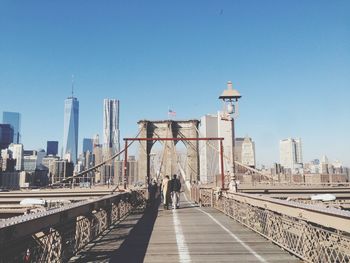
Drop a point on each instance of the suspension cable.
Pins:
(163, 153)
(96, 166)
(236, 162)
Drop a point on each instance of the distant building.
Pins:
(97, 152)
(245, 151)
(315, 162)
(8, 163)
(14, 119)
(17, 154)
(88, 145)
(276, 169)
(238, 149)
(219, 125)
(324, 159)
(323, 166)
(49, 164)
(118, 172)
(209, 157)
(225, 131)
(313, 167)
(248, 152)
(61, 169)
(107, 174)
(52, 148)
(132, 170)
(89, 159)
(111, 140)
(71, 122)
(6, 135)
(32, 159)
(12, 180)
(30, 163)
(291, 154)
(132, 174)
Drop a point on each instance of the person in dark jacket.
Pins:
(175, 187)
(152, 190)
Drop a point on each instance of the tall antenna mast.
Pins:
(72, 86)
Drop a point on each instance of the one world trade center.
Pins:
(70, 134)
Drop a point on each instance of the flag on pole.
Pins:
(171, 113)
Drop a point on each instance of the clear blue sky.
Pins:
(289, 59)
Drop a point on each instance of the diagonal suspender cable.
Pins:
(96, 166)
(239, 163)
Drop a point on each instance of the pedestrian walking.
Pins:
(166, 191)
(152, 190)
(175, 187)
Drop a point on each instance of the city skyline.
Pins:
(288, 62)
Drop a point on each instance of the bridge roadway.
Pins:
(188, 234)
(10, 201)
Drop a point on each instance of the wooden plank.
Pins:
(151, 237)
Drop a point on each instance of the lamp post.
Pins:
(230, 98)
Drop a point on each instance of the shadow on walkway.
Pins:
(125, 242)
(134, 248)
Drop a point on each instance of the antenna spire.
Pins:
(72, 86)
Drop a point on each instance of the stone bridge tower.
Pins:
(169, 129)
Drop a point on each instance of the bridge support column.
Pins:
(144, 160)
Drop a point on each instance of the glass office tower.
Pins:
(87, 145)
(52, 148)
(6, 135)
(70, 134)
(14, 119)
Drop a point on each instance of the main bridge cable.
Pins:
(97, 166)
(239, 163)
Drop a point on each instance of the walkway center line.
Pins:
(180, 240)
(260, 258)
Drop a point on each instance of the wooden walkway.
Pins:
(188, 234)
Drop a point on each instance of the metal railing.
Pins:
(202, 195)
(295, 231)
(61, 241)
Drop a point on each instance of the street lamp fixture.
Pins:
(230, 98)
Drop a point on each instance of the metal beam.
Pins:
(174, 139)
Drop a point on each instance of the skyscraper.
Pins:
(14, 119)
(17, 153)
(87, 145)
(52, 148)
(70, 134)
(6, 135)
(248, 152)
(111, 141)
(97, 152)
(225, 131)
(214, 126)
(209, 158)
(291, 153)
